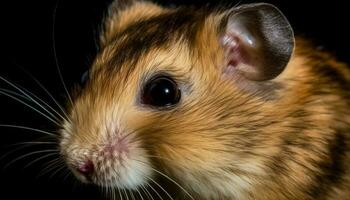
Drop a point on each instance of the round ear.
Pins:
(119, 5)
(123, 12)
(258, 41)
(111, 19)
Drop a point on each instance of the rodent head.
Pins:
(177, 91)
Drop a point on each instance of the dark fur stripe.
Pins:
(332, 170)
(154, 32)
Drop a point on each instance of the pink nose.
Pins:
(86, 168)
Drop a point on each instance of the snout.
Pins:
(120, 162)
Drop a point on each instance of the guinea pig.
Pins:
(209, 104)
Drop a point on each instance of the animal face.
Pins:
(178, 93)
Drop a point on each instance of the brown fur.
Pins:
(290, 140)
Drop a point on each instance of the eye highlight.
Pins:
(161, 91)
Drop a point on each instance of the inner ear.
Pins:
(258, 41)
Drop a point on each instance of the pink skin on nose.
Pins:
(120, 145)
(86, 168)
(116, 148)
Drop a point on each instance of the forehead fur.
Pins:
(145, 26)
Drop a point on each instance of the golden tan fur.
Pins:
(221, 142)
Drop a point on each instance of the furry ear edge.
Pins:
(112, 13)
(120, 13)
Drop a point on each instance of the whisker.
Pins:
(102, 190)
(107, 191)
(183, 189)
(68, 173)
(155, 182)
(14, 150)
(149, 185)
(30, 128)
(120, 194)
(153, 156)
(19, 100)
(14, 93)
(170, 179)
(143, 188)
(56, 171)
(105, 188)
(51, 165)
(46, 104)
(139, 194)
(28, 154)
(40, 158)
(154, 190)
(28, 96)
(132, 195)
(29, 143)
(46, 91)
(63, 172)
(127, 197)
(55, 53)
(113, 194)
(22, 145)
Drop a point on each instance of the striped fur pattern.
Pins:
(287, 138)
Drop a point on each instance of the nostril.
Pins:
(86, 168)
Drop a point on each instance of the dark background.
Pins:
(27, 45)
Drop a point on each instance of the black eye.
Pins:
(84, 77)
(161, 91)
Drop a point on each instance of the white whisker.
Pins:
(40, 158)
(143, 188)
(127, 197)
(63, 172)
(51, 165)
(56, 171)
(30, 143)
(154, 190)
(167, 177)
(13, 151)
(55, 53)
(29, 128)
(47, 92)
(15, 93)
(30, 97)
(120, 194)
(139, 194)
(152, 156)
(19, 100)
(29, 154)
(102, 190)
(107, 191)
(132, 195)
(46, 104)
(113, 194)
(68, 173)
(164, 175)
(22, 146)
(155, 182)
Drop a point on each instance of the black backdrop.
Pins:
(27, 45)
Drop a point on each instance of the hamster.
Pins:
(209, 104)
